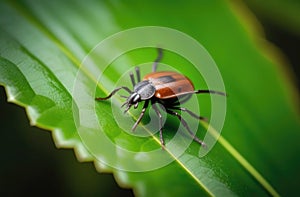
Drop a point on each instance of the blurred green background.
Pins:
(281, 23)
(31, 165)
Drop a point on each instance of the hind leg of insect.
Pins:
(203, 92)
(162, 142)
(209, 92)
(159, 57)
(141, 115)
(184, 123)
(190, 112)
(114, 92)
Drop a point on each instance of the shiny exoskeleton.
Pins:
(167, 88)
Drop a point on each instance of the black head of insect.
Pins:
(142, 91)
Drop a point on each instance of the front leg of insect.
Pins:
(142, 91)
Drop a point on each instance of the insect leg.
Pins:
(114, 92)
(138, 74)
(187, 94)
(195, 138)
(132, 79)
(159, 57)
(141, 115)
(190, 112)
(210, 92)
(162, 142)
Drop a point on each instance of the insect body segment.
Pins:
(169, 84)
(167, 88)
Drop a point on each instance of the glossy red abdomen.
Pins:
(169, 84)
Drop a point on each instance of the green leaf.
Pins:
(42, 45)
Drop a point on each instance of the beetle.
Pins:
(168, 88)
